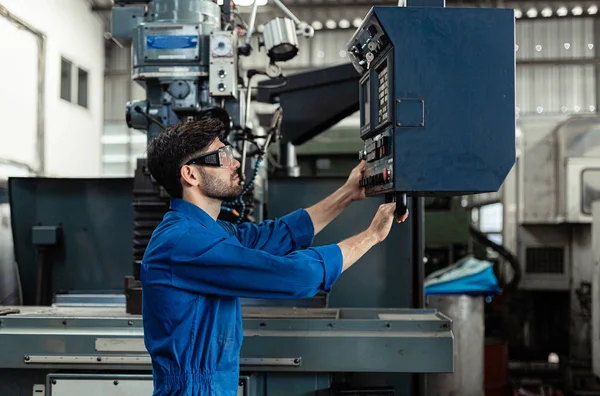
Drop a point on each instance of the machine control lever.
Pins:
(401, 203)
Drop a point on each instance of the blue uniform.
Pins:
(193, 274)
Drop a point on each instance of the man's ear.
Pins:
(190, 175)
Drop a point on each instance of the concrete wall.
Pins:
(64, 140)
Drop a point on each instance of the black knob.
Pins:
(245, 50)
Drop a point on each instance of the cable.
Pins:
(149, 117)
(274, 86)
(254, 72)
(264, 153)
(480, 237)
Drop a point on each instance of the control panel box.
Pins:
(377, 153)
(223, 71)
(437, 99)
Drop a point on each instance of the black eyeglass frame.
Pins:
(208, 159)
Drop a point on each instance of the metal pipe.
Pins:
(287, 11)
(292, 167)
(417, 214)
(243, 164)
(597, 56)
(248, 100)
(252, 22)
(267, 142)
(557, 62)
(40, 146)
(246, 124)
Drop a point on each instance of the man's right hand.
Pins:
(383, 220)
(355, 247)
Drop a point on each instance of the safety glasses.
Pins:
(222, 157)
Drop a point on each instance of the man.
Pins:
(196, 268)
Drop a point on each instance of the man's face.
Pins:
(217, 182)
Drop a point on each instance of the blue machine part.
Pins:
(437, 99)
(468, 276)
(171, 42)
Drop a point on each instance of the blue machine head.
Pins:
(437, 99)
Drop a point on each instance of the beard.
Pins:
(223, 190)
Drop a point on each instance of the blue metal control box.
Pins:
(437, 99)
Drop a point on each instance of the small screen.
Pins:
(366, 102)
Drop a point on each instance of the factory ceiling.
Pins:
(104, 6)
(347, 14)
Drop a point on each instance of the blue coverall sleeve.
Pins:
(281, 236)
(223, 266)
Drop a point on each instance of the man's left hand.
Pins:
(357, 193)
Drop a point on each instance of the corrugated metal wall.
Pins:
(555, 72)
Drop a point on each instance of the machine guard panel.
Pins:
(443, 80)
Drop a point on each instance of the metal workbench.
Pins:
(89, 348)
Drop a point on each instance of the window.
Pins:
(65, 79)
(590, 189)
(490, 218)
(71, 90)
(82, 88)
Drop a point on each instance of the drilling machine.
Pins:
(185, 54)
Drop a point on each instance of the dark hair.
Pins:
(176, 145)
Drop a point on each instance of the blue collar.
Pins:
(192, 211)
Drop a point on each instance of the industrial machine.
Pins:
(548, 228)
(427, 131)
(186, 56)
(405, 126)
